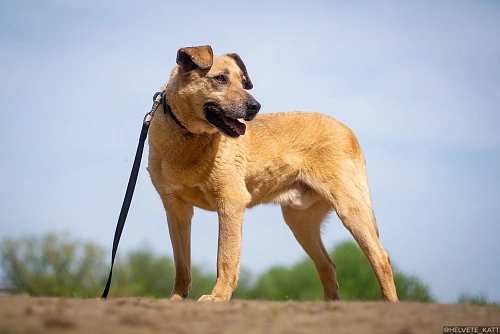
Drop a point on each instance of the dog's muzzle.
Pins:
(227, 121)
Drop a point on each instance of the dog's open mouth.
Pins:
(228, 126)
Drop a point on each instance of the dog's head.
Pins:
(209, 93)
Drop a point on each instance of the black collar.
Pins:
(166, 108)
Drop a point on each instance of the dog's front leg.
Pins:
(229, 250)
(179, 225)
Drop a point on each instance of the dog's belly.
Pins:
(297, 195)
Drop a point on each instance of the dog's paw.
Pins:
(210, 298)
(176, 297)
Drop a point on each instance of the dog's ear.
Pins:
(194, 57)
(241, 65)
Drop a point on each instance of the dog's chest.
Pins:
(182, 184)
(196, 195)
(186, 184)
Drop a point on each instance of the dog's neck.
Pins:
(166, 108)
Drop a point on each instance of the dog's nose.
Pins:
(253, 108)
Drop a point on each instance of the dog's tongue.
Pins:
(238, 126)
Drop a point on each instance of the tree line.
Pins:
(57, 265)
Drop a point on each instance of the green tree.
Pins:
(58, 266)
(53, 266)
(357, 280)
(478, 299)
(142, 273)
(145, 274)
(299, 282)
(201, 282)
(354, 274)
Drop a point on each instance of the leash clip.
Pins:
(158, 99)
(147, 118)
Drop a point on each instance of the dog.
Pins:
(209, 149)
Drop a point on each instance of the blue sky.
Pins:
(418, 82)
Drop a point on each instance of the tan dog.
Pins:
(203, 154)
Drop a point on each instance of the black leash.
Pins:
(158, 99)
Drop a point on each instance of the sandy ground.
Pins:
(24, 314)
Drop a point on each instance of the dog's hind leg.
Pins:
(351, 200)
(305, 225)
(179, 225)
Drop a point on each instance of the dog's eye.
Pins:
(221, 79)
(244, 82)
